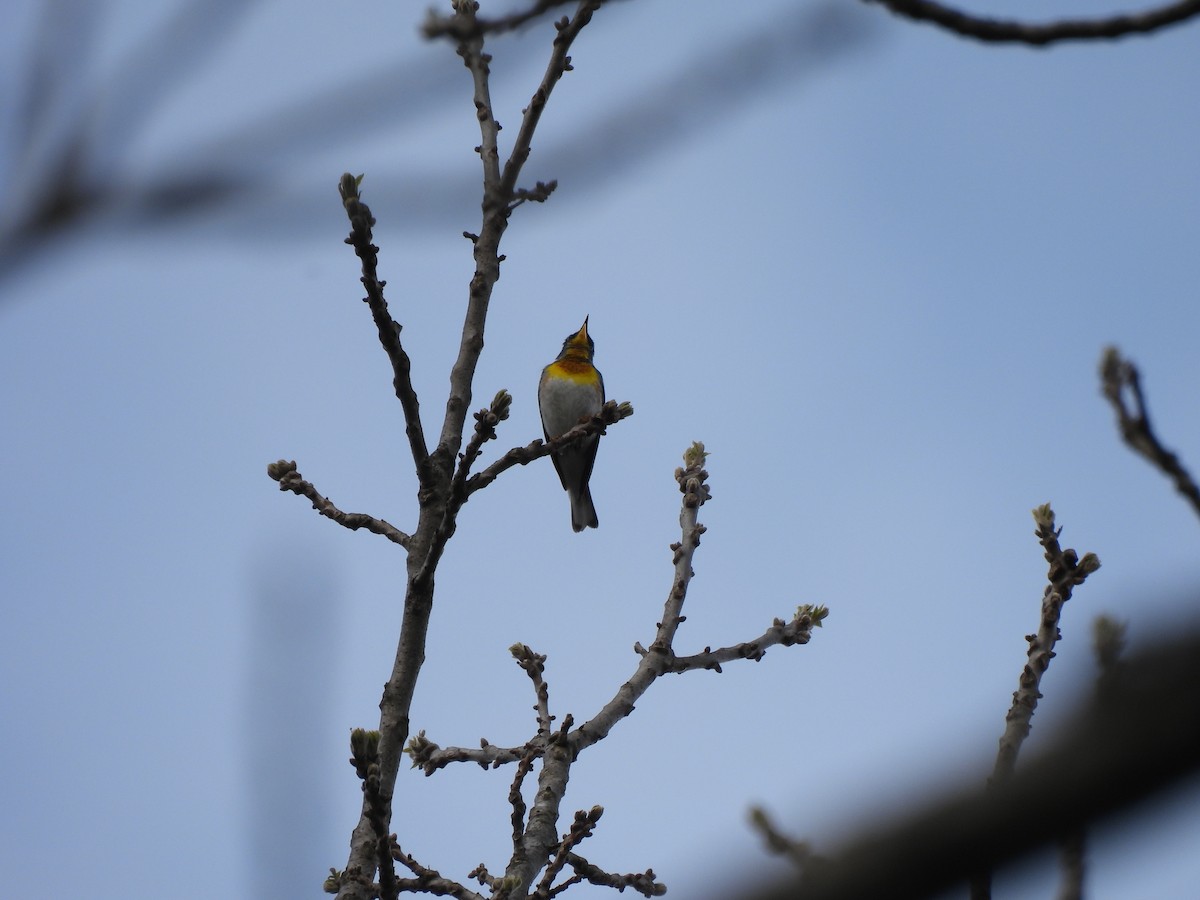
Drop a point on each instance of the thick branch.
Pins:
(284, 471)
(1120, 378)
(532, 852)
(1007, 31)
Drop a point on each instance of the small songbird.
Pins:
(570, 390)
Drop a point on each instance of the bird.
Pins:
(571, 389)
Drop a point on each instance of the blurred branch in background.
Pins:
(1136, 738)
(1121, 384)
(73, 127)
(72, 140)
(1040, 35)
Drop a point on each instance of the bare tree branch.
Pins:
(284, 471)
(486, 421)
(581, 830)
(439, 501)
(1066, 572)
(361, 223)
(781, 633)
(645, 883)
(516, 800)
(429, 757)
(429, 881)
(1007, 31)
(611, 413)
(660, 657)
(1119, 377)
(534, 665)
(559, 749)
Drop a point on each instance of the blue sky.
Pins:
(874, 273)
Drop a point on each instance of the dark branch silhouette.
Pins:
(1123, 748)
(1003, 31)
(1122, 386)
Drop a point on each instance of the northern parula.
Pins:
(570, 390)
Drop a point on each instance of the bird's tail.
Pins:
(583, 513)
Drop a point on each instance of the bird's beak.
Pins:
(583, 330)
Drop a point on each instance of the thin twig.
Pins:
(1066, 571)
(611, 413)
(534, 665)
(486, 421)
(581, 830)
(560, 63)
(781, 633)
(645, 883)
(429, 881)
(284, 471)
(429, 757)
(516, 800)
(1008, 31)
(361, 224)
(1120, 380)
